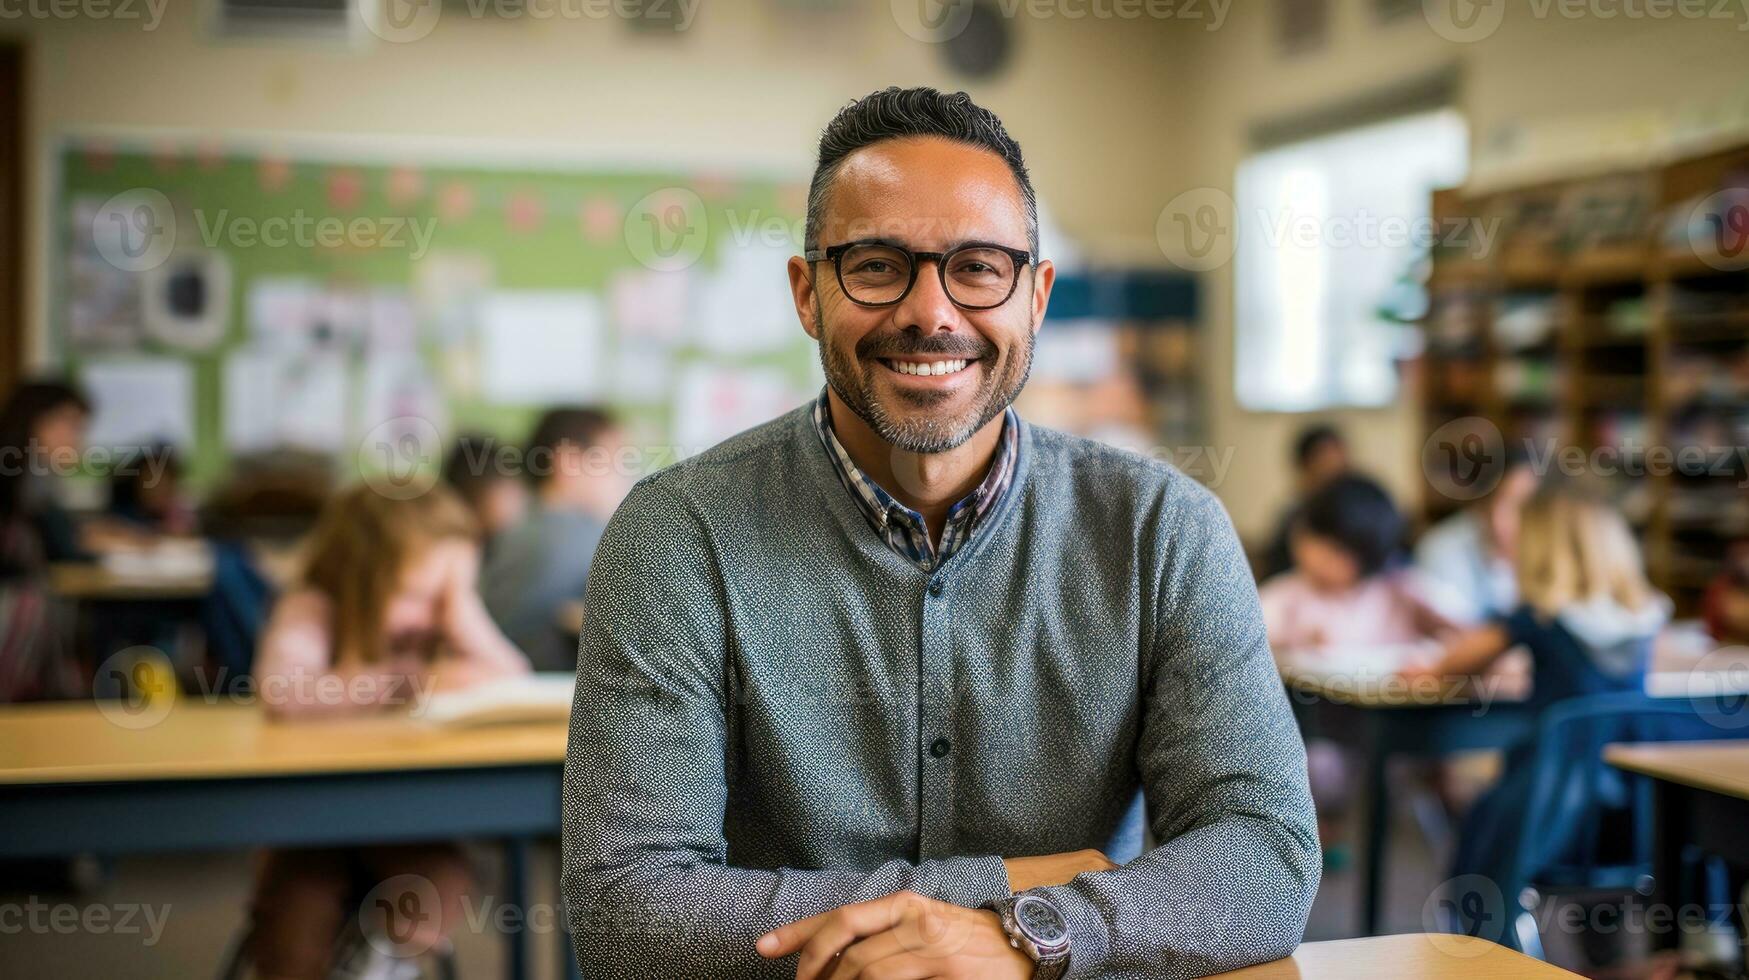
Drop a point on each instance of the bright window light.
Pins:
(1328, 227)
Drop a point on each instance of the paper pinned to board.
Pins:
(540, 346)
(275, 401)
(140, 402)
(650, 306)
(187, 300)
(744, 305)
(712, 403)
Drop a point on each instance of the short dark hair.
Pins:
(471, 467)
(1313, 438)
(1358, 515)
(583, 426)
(898, 113)
(23, 410)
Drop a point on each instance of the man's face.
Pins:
(928, 195)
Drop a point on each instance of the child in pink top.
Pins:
(1344, 595)
(1345, 589)
(387, 613)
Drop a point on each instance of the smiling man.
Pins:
(890, 687)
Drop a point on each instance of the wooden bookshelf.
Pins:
(1609, 315)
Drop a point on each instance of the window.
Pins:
(1329, 229)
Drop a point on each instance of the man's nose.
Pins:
(927, 307)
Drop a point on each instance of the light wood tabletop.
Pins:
(90, 742)
(1423, 957)
(1717, 767)
(92, 581)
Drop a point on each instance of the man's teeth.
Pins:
(927, 368)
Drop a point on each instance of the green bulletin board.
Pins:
(237, 302)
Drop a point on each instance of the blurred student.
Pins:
(36, 655)
(1467, 560)
(1320, 455)
(542, 564)
(495, 493)
(1726, 605)
(42, 434)
(1347, 590)
(149, 495)
(1587, 615)
(1348, 585)
(387, 612)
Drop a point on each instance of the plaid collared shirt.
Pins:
(904, 529)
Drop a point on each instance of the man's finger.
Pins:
(785, 940)
(864, 953)
(846, 926)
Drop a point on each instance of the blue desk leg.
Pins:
(516, 893)
(1378, 828)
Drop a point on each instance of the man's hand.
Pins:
(1053, 869)
(903, 936)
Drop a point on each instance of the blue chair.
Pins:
(1573, 824)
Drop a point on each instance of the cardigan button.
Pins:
(936, 588)
(940, 747)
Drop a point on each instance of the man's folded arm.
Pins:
(1224, 772)
(645, 878)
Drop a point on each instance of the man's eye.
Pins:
(877, 267)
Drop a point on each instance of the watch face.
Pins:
(1041, 922)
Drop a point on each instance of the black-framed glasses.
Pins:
(975, 276)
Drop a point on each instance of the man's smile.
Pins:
(926, 368)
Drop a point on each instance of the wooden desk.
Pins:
(1701, 792)
(99, 778)
(1382, 720)
(1384, 717)
(91, 582)
(1394, 957)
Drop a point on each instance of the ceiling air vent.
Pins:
(339, 21)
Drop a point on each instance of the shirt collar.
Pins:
(878, 505)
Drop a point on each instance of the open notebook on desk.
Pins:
(544, 697)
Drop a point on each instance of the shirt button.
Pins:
(936, 587)
(940, 747)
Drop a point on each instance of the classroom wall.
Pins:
(747, 85)
(1117, 117)
(1544, 97)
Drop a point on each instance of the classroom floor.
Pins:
(207, 898)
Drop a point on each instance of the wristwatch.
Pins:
(1036, 928)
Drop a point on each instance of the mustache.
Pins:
(948, 345)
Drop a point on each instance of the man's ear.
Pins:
(801, 287)
(1043, 278)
